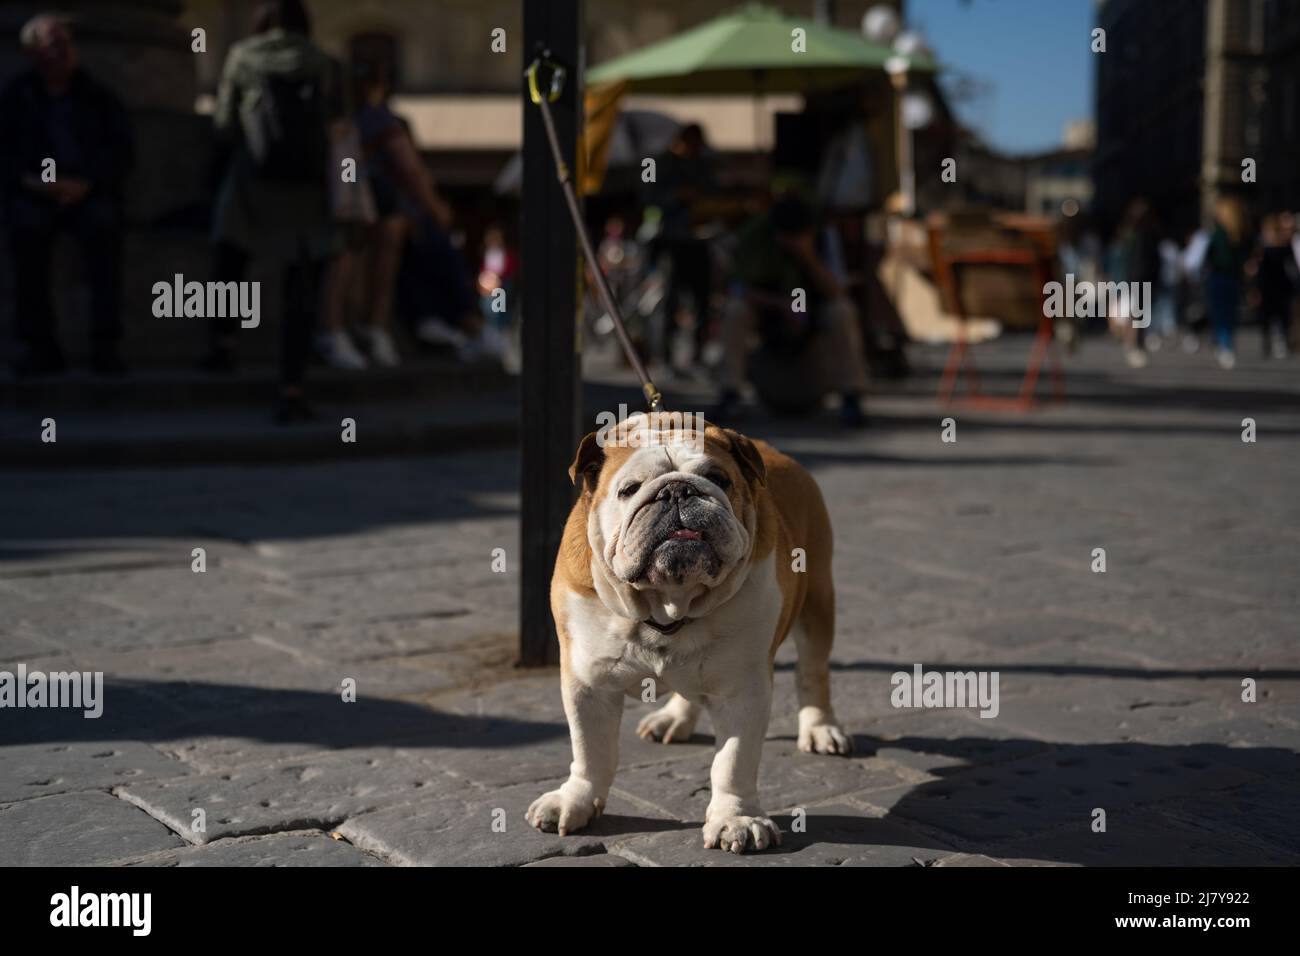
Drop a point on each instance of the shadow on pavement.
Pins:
(1075, 670)
(1031, 800)
(1009, 798)
(63, 511)
(1165, 805)
(622, 825)
(152, 712)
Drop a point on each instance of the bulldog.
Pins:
(679, 564)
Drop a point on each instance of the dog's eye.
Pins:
(628, 490)
(720, 479)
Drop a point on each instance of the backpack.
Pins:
(285, 129)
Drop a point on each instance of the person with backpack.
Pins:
(279, 105)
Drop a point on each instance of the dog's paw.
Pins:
(820, 734)
(667, 724)
(561, 811)
(740, 833)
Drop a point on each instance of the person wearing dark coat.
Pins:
(66, 150)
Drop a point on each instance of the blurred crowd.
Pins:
(1204, 283)
(319, 180)
(315, 177)
(772, 289)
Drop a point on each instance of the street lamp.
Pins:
(912, 111)
(896, 66)
(908, 43)
(918, 110)
(880, 24)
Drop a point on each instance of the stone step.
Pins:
(163, 389)
(244, 435)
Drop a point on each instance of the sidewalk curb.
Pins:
(265, 443)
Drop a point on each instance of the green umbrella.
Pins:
(751, 50)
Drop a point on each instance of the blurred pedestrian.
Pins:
(1289, 227)
(353, 207)
(1137, 263)
(623, 264)
(393, 169)
(279, 106)
(784, 291)
(498, 267)
(412, 258)
(435, 287)
(1225, 261)
(495, 284)
(66, 148)
(684, 175)
(848, 193)
(1193, 309)
(1080, 253)
(1164, 308)
(1275, 283)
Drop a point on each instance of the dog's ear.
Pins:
(587, 462)
(747, 457)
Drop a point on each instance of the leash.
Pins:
(544, 101)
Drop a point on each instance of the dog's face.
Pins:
(671, 514)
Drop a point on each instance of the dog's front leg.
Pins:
(594, 715)
(734, 821)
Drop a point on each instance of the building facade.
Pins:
(1052, 183)
(1190, 94)
(1279, 185)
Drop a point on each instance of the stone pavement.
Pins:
(1119, 691)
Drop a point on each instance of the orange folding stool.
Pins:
(1037, 257)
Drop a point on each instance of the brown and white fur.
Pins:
(682, 530)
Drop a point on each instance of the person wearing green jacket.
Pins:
(279, 105)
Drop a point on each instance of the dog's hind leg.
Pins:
(814, 630)
(674, 721)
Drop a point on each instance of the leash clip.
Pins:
(653, 398)
(557, 78)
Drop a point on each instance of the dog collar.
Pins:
(666, 629)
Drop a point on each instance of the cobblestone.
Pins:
(1121, 691)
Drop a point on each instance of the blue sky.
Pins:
(1034, 54)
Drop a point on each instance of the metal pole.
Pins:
(894, 224)
(550, 391)
(906, 174)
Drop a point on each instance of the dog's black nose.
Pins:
(677, 491)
